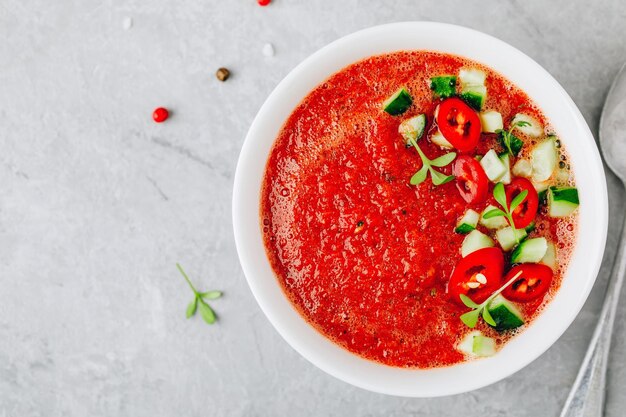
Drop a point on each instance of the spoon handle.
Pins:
(586, 399)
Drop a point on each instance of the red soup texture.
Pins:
(381, 246)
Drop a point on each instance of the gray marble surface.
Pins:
(97, 203)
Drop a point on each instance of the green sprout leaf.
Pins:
(191, 308)
(518, 200)
(211, 295)
(443, 160)
(499, 194)
(470, 318)
(493, 213)
(207, 313)
(468, 301)
(439, 178)
(487, 317)
(420, 176)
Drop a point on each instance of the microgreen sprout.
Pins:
(471, 317)
(512, 143)
(199, 300)
(427, 166)
(500, 196)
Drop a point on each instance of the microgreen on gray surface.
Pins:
(199, 300)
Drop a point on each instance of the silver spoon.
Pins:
(588, 393)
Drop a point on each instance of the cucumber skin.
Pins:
(562, 201)
(474, 100)
(505, 319)
(518, 257)
(569, 194)
(443, 86)
(398, 103)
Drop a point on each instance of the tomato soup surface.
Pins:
(361, 253)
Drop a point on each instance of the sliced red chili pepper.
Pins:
(459, 124)
(477, 275)
(532, 284)
(471, 180)
(525, 213)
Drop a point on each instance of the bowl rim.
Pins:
(563, 114)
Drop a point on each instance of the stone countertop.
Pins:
(99, 202)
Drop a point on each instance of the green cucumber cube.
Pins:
(505, 314)
(494, 222)
(398, 103)
(443, 86)
(509, 237)
(475, 240)
(483, 346)
(530, 251)
(532, 128)
(562, 201)
(468, 222)
(413, 128)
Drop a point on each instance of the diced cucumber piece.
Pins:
(494, 222)
(533, 128)
(413, 128)
(490, 121)
(506, 315)
(530, 251)
(443, 86)
(530, 227)
(506, 160)
(472, 76)
(475, 240)
(438, 139)
(549, 259)
(507, 237)
(473, 89)
(544, 157)
(477, 344)
(484, 346)
(398, 103)
(493, 166)
(468, 222)
(474, 95)
(562, 201)
(523, 168)
(466, 344)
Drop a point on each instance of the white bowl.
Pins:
(568, 123)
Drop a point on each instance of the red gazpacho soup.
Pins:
(418, 209)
